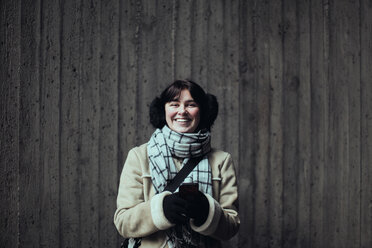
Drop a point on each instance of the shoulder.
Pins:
(137, 157)
(218, 157)
(221, 164)
(140, 151)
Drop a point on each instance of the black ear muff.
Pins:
(157, 113)
(212, 110)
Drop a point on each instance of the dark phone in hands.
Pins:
(188, 190)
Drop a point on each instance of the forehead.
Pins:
(184, 95)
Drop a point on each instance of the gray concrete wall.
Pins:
(294, 83)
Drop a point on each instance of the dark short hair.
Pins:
(207, 103)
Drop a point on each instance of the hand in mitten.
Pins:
(174, 208)
(197, 208)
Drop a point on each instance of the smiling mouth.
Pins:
(182, 120)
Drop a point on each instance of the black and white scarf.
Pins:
(165, 144)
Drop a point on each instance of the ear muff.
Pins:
(211, 110)
(157, 113)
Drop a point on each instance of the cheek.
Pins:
(169, 113)
(196, 114)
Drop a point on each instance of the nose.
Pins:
(182, 109)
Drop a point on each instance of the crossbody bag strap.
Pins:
(182, 174)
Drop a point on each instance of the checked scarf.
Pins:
(165, 144)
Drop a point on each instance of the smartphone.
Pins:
(188, 190)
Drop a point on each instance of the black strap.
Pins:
(182, 174)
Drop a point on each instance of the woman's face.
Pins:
(182, 114)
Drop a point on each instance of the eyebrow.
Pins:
(177, 100)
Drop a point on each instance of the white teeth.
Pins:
(182, 120)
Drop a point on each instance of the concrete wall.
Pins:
(293, 79)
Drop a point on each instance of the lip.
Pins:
(182, 120)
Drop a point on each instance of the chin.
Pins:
(184, 129)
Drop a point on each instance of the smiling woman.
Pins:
(151, 216)
(182, 113)
(188, 95)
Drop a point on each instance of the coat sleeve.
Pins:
(136, 217)
(223, 220)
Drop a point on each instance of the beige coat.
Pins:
(140, 213)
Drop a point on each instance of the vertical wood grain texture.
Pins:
(319, 119)
(344, 133)
(215, 67)
(199, 40)
(150, 25)
(351, 178)
(165, 53)
(29, 134)
(148, 38)
(183, 17)
(366, 124)
(291, 83)
(292, 78)
(229, 101)
(336, 138)
(108, 122)
(260, 91)
(128, 70)
(70, 146)
(50, 54)
(10, 52)
(277, 29)
(89, 122)
(246, 96)
(304, 122)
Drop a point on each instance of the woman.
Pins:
(183, 116)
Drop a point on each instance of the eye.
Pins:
(173, 104)
(192, 105)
